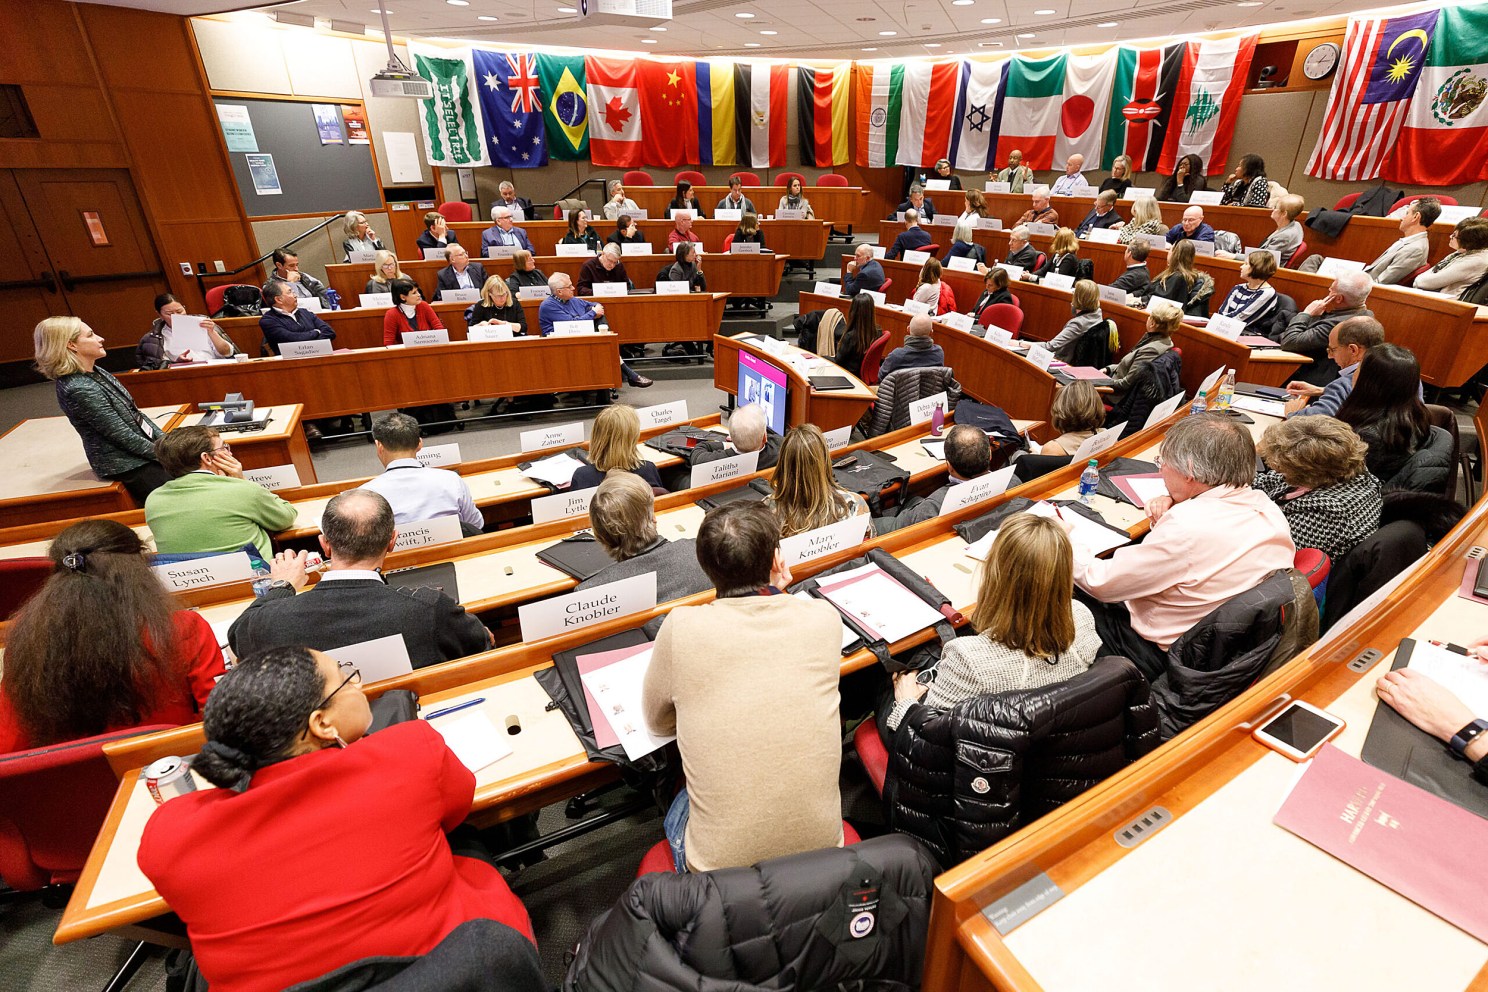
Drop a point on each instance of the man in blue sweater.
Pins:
(564, 305)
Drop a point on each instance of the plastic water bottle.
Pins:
(333, 299)
(937, 420)
(1089, 480)
(1200, 403)
(1226, 391)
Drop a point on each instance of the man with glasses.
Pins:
(1308, 331)
(208, 507)
(352, 603)
(1347, 343)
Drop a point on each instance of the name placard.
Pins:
(918, 307)
(1040, 228)
(1036, 189)
(680, 212)
(609, 289)
(744, 248)
(568, 328)
(561, 506)
(1225, 327)
(672, 287)
(1274, 253)
(960, 321)
(1163, 301)
(790, 213)
(575, 610)
(1056, 281)
(879, 251)
(1135, 192)
(811, 544)
(490, 332)
(572, 251)
(662, 414)
(422, 533)
(878, 298)
(459, 296)
(375, 301)
(827, 289)
(534, 292)
(724, 213)
(1338, 266)
(435, 254)
(996, 187)
(1099, 441)
(1206, 197)
(305, 349)
(941, 184)
(1164, 410)
(1000, 336)
(943, 220)
(720, 469)
(500, 251)
(840, 438)
(1158, 242)
(921, 411)
(201, 573)
(917, 257)
(274, 477)
(439, 455)
(989, 223)
(557, 436)
(416, 339)
(1014, 272)
(377, 659)
(974, 491)
(636, 248)
(1040, 356)
(962, 263)
(1207, 386)
(1112, 294)
(1202, 247)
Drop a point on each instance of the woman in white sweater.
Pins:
(1467, 263)
(1030, 632)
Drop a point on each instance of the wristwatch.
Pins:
(286, 584)
(1460, 740)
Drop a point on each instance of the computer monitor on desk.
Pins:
(763, 384)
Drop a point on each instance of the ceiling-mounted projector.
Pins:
(625, 12)
(401, 82)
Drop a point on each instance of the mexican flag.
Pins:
(1446, 127)
(1208, 101)
(566, 115)
(1031, 110)
(880, 94)
(927, 110)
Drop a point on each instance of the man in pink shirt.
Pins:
(1213, 537)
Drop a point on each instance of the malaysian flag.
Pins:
(1383, 57)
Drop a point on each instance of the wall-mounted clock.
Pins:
(1321, 61)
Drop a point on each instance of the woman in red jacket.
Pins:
(102, 646)
(319, 847)
(409, 313)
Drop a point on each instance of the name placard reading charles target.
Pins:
(199, 573)
(574, 610)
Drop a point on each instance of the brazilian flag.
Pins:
(567, 112)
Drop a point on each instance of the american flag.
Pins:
(1382, 60)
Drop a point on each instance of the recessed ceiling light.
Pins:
(989, 44)
(486, 17)
(1107, 24)
(648, 41)
(932, 44)
(1250, 3)
(887, 34)
(991, 20)
(770, 32)
(458, 3)
(568, 10)
(751, 44)
(870, 49)
(744, 14)
(379, 10)
(1045, 12)
(658, 28)
(1025, 36)
(962, 3)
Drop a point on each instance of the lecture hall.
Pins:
(519, 389)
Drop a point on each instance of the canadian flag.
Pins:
(614, 112)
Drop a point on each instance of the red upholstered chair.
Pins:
(1005, 316)
(784, 179)
(872, 753)
(456, 210)
(886, 284)
(747, 178)
(215, 294)
(1346, 201)
(688, 176)
(19, 580)
(1410, 280)
(830, 179)
(637, 177)
(728, 242)
(659, 857)
(1295, 262)
(1446, 201)
(1039, 262)
(873, 358)
(932, 248)
(1314, 566)
(1016, 302)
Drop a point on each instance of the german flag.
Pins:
(822, 114)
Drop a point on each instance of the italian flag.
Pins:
(1446, 127)
(880, 94)
(1208, 101)
(927, 110)
(1031, 110)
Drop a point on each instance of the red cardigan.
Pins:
(327, 858)
(947, 299)
(197, 667)
(394, 324)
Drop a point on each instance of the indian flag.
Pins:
(928, 107)
(1031, 110)
(1446, 127)
(880, 92)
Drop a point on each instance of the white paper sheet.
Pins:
(1465, 677)
(1255, 404)
(1088, 534)
(1147, 489)
(402, 156)
(188, 334)
(618, 689)
(848, 634)
(473, 737)
(879, 603)
(980, 548)
(557, 470)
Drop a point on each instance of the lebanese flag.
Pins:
(761, 95)
(927, 112)
(614, 113)
(1031, 109)
(1142, 105)
(1208, 101)
(1087, 97)
(670, 109)
(1446, 127)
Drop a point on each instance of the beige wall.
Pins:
(321, 248)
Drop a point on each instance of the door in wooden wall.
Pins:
(81, 235)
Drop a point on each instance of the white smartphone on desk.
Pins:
(1299, 730)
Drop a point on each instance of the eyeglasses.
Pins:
(224, 447)
(355, 676)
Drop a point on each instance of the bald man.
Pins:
(1191, 227)
(1073, 181)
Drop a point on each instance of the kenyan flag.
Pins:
(1141, 105)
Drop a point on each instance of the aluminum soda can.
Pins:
(169, 778)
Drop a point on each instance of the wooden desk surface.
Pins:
(802, 239)
(112, 893)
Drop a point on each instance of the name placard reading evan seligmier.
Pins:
(574, 610)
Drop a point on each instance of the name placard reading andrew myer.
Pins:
(574, 610)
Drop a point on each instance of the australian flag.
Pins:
(511, 103)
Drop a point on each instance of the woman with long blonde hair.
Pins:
(614, 446)
(1182, 282)
(1030, 631)
(803, 493)
(385, 269)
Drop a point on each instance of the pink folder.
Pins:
(604, 734)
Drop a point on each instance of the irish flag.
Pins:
(1208, 101)
(1446, 127)
(880, 93)
(927, 109)
(1031, 110)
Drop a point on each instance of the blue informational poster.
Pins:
(328, 123)
(265, 176)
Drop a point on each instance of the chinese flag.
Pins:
(669, 108)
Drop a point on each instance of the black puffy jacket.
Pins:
(962, 779)
(851, 917)
(1152, 384)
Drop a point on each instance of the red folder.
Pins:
(1423, 847)
(604, 734)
